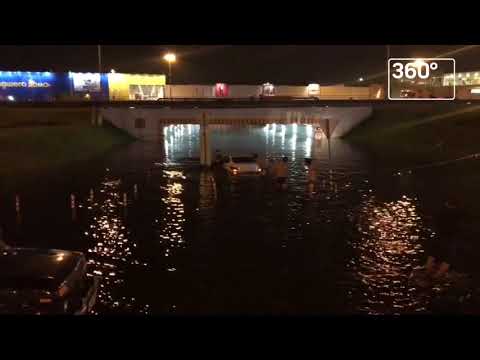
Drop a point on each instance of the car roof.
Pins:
(243, 158)
(25, 268)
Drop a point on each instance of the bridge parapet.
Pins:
(148, 123)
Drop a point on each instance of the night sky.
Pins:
(234, 64)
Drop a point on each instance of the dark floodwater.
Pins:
(169, 238)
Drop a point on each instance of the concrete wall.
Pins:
(464, 92)
(344, 92)
(336, 92)
(189, 91)
(342, 119)
(243, 91)
(295, 91)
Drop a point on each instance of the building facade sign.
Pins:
(86, 82)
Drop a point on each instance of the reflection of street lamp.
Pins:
(170, 58)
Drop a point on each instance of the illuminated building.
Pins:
(31, 86)
(136, 86)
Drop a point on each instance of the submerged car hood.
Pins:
(36, 269)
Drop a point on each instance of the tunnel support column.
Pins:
(205, 153)
(328, 134)
(327, 128)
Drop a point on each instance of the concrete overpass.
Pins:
(147, 121)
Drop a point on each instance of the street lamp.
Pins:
(170, 58)
(360, 79)
(419, 62)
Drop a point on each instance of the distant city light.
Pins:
(313, 89)
(10, 98)
(419, 62)
(170, 57)
(360, 79)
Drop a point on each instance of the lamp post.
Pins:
(99, 55)
(170, 58)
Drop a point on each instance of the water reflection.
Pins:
(247, 247)
(180, 139)
(208, 191)
(171, 225)
(111, 254)
(387, 250)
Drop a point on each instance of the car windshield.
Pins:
(243, 159)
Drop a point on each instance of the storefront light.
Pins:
(313, 88)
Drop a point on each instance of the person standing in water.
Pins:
(311, 175)
(270, 171)
(260, 162)
(218, 158)
(281, 173)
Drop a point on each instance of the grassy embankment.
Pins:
(417, 134)
(33, 140)
(401, 136)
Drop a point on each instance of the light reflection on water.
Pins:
(185, 233)
(172, 223)
(111, 254)
(388, 248)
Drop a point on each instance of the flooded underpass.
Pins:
(168, 237)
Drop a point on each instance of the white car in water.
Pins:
(242, 165)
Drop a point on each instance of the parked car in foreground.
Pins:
(36, 281)
(242, 165)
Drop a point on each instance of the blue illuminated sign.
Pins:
(27, 86)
